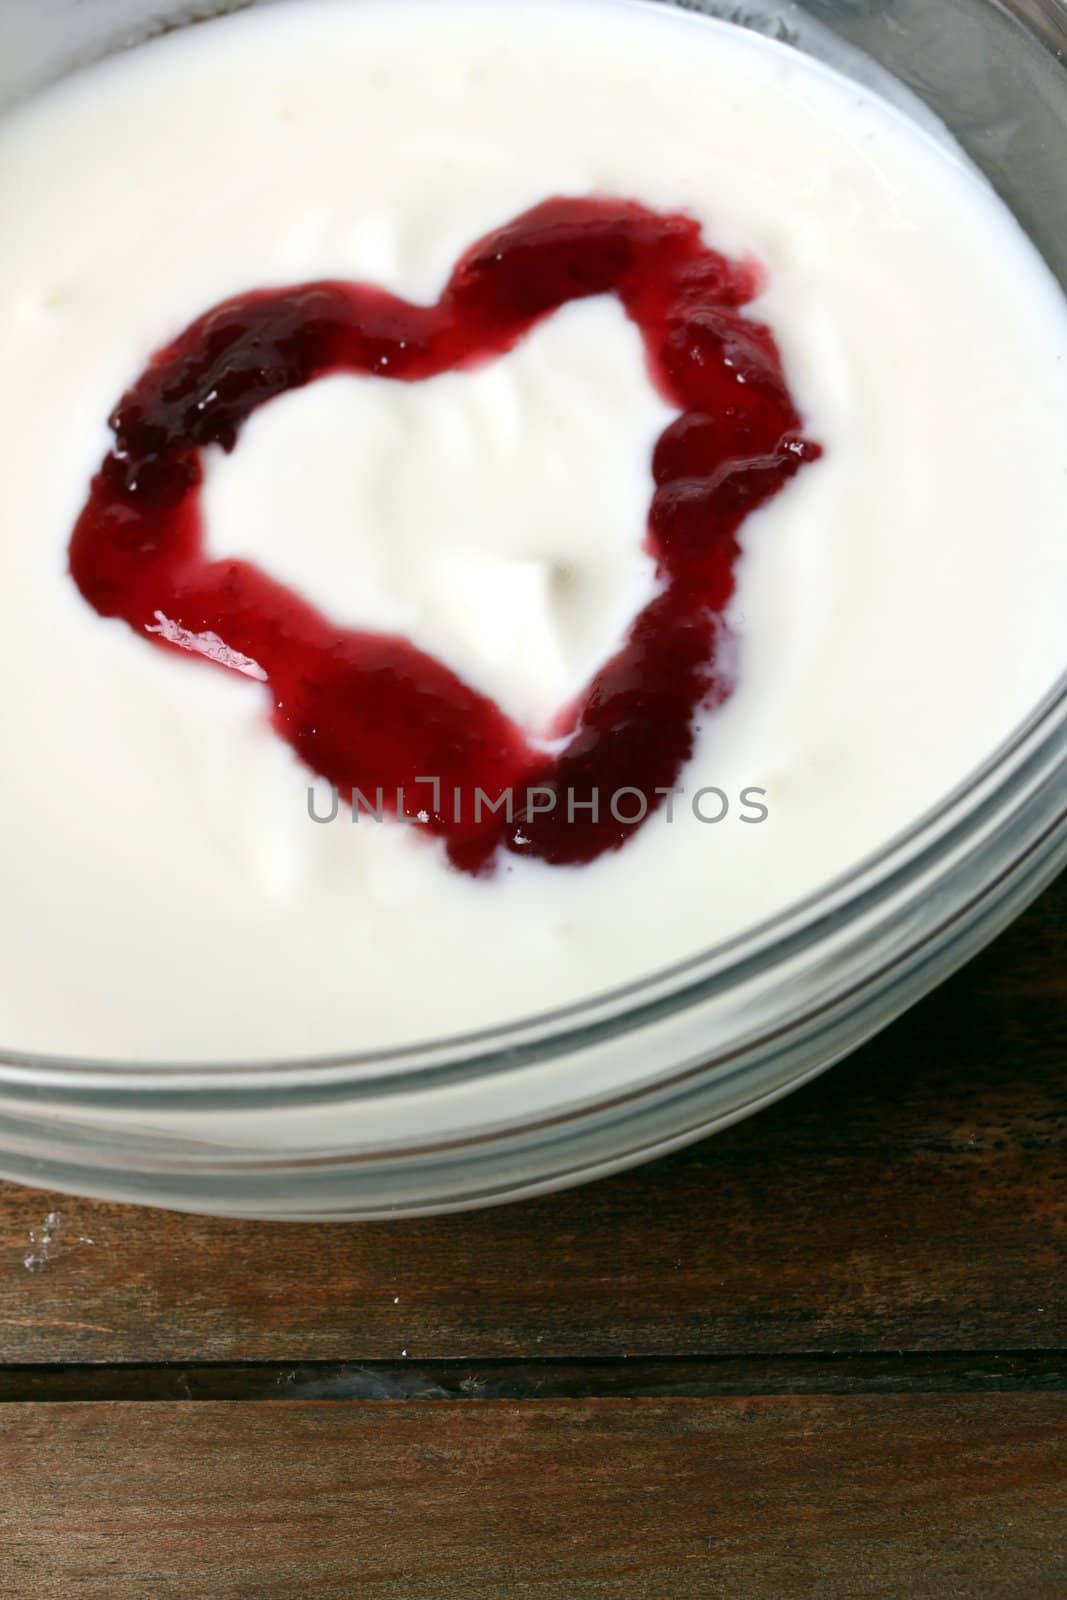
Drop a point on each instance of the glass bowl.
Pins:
(569, 1096)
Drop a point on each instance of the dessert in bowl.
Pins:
(535, 575)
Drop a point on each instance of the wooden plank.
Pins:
(847, 1499)
(914, 1198)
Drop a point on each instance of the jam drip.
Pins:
(370, 712)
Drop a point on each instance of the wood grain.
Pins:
(915, 1198)
(760, 1499)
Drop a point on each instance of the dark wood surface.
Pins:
(671, 1499)
(823, 1354)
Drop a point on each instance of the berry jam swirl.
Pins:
(369, 712)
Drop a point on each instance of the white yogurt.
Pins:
(899, 608)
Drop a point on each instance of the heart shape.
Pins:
(370, 712)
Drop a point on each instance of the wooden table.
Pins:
(823, 1354)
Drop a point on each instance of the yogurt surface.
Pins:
(899, 606)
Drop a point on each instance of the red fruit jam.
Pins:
(370, 712)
